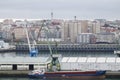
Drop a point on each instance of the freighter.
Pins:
(54, 71)
(68, 74)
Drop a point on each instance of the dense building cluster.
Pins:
(64, 31)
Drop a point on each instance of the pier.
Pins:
(24, 73)
(67, 47)
(21, 66)
(72, 47)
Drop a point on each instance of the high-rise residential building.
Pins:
(65, 31)
(84, 26)
(96, 27)
(75, 29)
(70, 30)
(93, 27)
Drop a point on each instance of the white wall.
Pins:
(107, 64)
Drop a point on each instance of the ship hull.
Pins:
(76, 77)
(71, 74)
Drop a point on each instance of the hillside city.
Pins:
(63, 31)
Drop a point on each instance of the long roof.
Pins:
(90, 60)
(23, 60)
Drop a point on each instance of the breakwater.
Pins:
(71, 47)
(67, 47)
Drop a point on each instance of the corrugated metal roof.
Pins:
(23, 60)
(82, 59)
(110, 60)
(91, 59)
(101, 60)
(64, 59)
(118, 60)
(73, 59)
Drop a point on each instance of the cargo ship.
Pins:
(67, 74)
(54, 71)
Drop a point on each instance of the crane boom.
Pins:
(39, 32)
(28, 40)
(32, 50)
(47, 30)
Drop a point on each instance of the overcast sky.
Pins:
(66, 9)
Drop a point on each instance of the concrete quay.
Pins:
(67, 47)
(24, 73)
(113, 74)
(14, 73)
(71, 47)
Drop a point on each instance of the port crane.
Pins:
(33, 51)
(54, 62)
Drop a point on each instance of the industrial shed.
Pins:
(22, 63)
(67, 63)
(90, 63)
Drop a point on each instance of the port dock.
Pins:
(24, 73)
(14, 73)
(21, 66)
(72, 47)
(67, 47)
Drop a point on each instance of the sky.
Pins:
(62, 9)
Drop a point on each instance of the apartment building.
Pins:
(71, 29)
